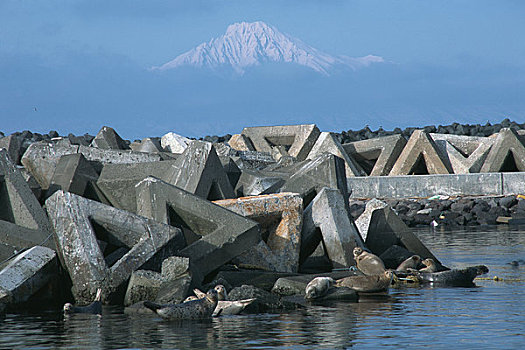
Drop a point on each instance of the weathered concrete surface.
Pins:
(466, 154)
(41, 158)
(231, 169)
(241, 142)
(327, 213)
(293, 140)
(143, 285)
(200, 172)
(507, 153)
(15, 238)
(421, 156)
(363, 221)
(79, 222)
(327, 143)
(253, 159)
(425, 185)
(18, 204)
(326, 170)
(225, 234)
(26, 274)
(72, 174)
(280, 216)
(176, 280)
(147, 145)
(107, 138)
(254, 183)
(386, 229)
(376, 156)
(174, 143)
(13, 146)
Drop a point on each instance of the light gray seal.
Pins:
(410, 263)
(191, 310)
(367, 284)
(368, 263)
(430, 265)
(318, 287)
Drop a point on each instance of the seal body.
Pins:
(94, 308)
(367, 284)
(430, 265)
(410, 263)
(318, 287)
(191, 310)
(368, 263)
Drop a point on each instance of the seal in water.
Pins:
(430, 265)
(318, 287)
(410, 263)
(94, 308)
(368, 263)
(367, 284)
(190, 310)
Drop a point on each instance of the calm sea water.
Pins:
(488, 316)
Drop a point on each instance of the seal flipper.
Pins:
(152, 306)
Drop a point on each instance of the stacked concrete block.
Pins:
(147, 145)
(176, 280)
(293, 140)
(241, 142)
(328, 215)
(107, 138)
(13, 146)
(507, 153)
(466, 154)
(254, 183)
(174, 143)
(15, 238)
(421, 155)
(376, 156)
(224, 234)
(76, 221)
(73, 174)
(280, 217)
(27, 274)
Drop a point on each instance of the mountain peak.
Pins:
(247, 44)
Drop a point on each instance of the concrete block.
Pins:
(513, 183)
(15, 238)
(253, 160)
(18, 205)
(387, 229)
(174, 266)
(376, 156)
(232, 170)
(27, 274)
(147, 145)
(32, 183)
(466, 154)
(223, 150)
(200, 172)
(326, 170)
(72, 174)
(143, 285)
(117, 181)
(280, 216)
(79, 222)
(13, 146)
(327, 143)
(107, 138)
(421, 156)
(327, 213)
(294, 140)
(174, 143)
(104, 156)
(425, 185)
(254, 183)
(225, 234)
(363, 221)
(241, 142)
(507, 153)
(176, 280)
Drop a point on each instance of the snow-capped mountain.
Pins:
(251, 44)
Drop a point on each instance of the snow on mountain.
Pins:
(251, 44)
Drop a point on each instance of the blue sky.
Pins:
(84, 64)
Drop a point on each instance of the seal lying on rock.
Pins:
(368, 263)
(225, 307)
(455, 277)
(318, 287)
(94, 308)
(430, 265)
(367, 284)
(410, 263)
(191, 310)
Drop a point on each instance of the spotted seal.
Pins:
(410, 263)
(368, 263)
(318, 287)
(430, 265)
(367, 284)
(225, 307)
(94, 308)
(191, 310)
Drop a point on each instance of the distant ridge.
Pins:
(251, 44)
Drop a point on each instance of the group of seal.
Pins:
(225, 307)
(191, 310)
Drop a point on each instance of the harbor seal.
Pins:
(367, 284)
(191, 310)
(410, 263)
(430, 265)
(318, 287)
(94, 308)
(368, 263)
(225, 307)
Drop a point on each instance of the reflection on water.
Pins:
(487, 316)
